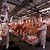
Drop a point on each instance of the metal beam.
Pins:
(14, 2)
(45, 6)
(17, 8)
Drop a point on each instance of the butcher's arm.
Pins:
(41, 28)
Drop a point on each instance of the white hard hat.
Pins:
(44, 21)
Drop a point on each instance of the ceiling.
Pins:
(20, 6)
(11, 7)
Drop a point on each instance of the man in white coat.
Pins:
(43, 33)
(6, 34)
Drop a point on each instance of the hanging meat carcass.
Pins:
(11, 25)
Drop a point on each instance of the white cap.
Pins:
(3, 24)
(44, 21)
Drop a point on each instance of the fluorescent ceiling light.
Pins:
(21, 0)
(28, 10)
(44, 9)
(48, 1)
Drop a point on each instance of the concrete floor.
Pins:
(18, 45)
